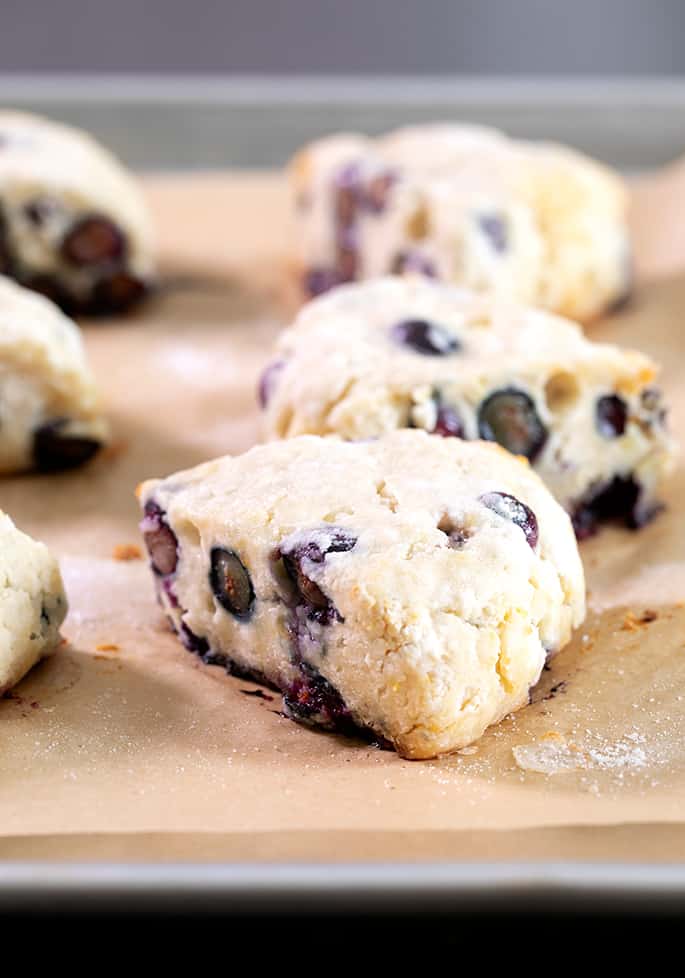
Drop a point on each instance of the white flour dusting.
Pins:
(555, 754)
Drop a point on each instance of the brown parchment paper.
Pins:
(123, 746)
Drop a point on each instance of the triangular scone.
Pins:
(407, 352)
(410, 585)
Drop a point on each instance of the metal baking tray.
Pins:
(216, 123)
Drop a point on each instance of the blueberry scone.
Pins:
(32, 603)
(407, 352)
(534, 221)
(410, 586)
(49, 407)
(73, 224)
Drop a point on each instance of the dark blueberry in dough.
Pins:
(495, 229)
(320, 280)
(425, 337)
(330, 540)
(54, 448)
(115, 293)
(448, 423)
(346, 194)
(231, 584)
(40, 210)
(457, 536)
(620, 500)
(511, 508)
(345, 205)
(509, 417)
(93, 240)
(377, 191)
(457, 539)
(193, 642)
(50, 287)
(268, 382)
(314, 700)
(413, 261)
(160, 541)
(612, 416)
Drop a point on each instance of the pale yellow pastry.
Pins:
(411, 585)
(50, 411)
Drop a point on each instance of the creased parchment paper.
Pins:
(123, 746)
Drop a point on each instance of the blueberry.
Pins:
(320, 280)
(49, 286)
(268, 381)
(328, 540)
(457, 536)
(376, 191)
(448, 423)
(40, 210)
(425, 337)
(54, 448)
(115, 293)
(346, 194)
(509, 417)
(620, 500)
(93, 240)
(193, 642)
(495, 230)
(312, 699)
(160, 540)
(412, 261)
(612, 416)
(511, 508)
(231, 584)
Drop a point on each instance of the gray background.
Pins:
(420, 37)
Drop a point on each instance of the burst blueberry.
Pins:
(312, 699)
(93, 240)
(160, 540)
(326, 541)
(320, 280)
(448, 422)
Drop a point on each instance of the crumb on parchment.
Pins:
(633, 622)
(127, 551)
